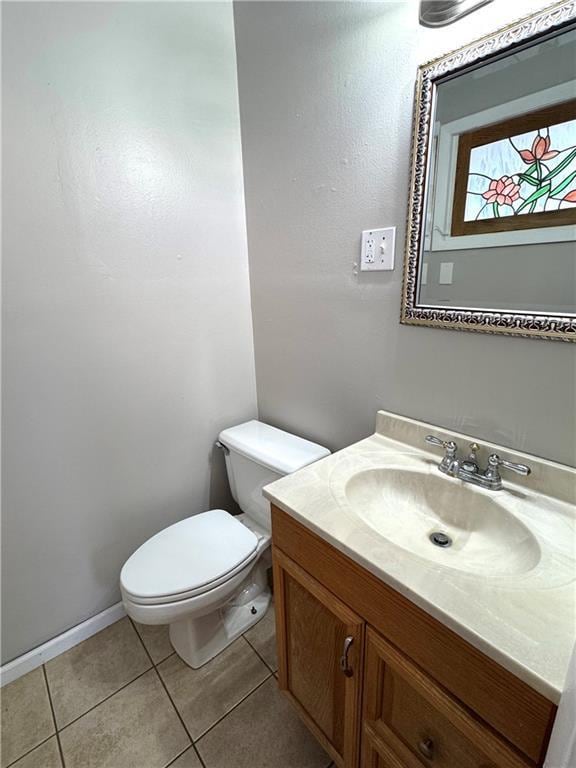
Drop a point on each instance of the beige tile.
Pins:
(156, 640)
(26, 716)
(263, 732)
(47, 755)
(188, 760)
(135, 728)
(204, 695)
(90, 672)
(262, 637)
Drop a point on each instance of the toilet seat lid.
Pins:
(189, 555)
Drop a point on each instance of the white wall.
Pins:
(326, 94)
(128, 339)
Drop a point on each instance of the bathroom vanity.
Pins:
(400, 654)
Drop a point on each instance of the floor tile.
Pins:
(90, 672)
(26, 715)
(155, 638)
(188, 760)
(135, 728)
(204, 695)
(47, 755)
(263, 732)
(262, 637)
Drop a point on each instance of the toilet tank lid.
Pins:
(280, 451)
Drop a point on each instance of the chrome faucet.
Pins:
(469, 470)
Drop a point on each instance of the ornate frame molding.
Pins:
(533, 325)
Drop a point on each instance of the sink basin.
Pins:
(474, 531)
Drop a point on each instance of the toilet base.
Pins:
(198, 639)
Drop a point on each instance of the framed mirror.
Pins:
(491, 242)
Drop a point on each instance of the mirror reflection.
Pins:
(500, 216)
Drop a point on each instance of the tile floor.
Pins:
(123, 699)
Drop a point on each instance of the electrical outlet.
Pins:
(377, 251)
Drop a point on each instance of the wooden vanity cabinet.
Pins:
(379, 682)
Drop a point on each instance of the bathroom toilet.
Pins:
(206, 576)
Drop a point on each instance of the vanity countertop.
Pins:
(523, 621)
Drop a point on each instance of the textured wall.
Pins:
(326, 94)
(128, 339)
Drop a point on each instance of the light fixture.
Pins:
(437, 13)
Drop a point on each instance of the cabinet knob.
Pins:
(426, 748)
(344, 666)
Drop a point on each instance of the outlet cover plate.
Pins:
(377, 251)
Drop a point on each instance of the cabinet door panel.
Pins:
(418, 722)
(313, 630)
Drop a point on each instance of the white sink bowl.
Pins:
(407, 506)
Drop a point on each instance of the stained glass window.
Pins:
(531, 172)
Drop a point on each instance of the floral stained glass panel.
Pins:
(517, 174)
(528, 173)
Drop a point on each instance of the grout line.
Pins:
(262, 659)
(154, 663)
(242, 700)
(122, 687)
(178, 715)
(181, 719)
(53, 715)
(142, 643)
(190, 746)
(25, 754)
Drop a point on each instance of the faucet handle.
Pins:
(494, 462)
(449, 445)
(449, 461)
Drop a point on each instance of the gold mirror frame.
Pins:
(528, 324)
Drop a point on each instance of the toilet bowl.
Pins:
(207, 575)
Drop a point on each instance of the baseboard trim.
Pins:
(43, 653)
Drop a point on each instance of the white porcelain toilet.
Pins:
(206, 576)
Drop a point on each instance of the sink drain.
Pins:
(440, 539)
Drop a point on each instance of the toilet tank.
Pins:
(257, 455)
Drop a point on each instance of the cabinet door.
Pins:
(320, 654)
(411, 721)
